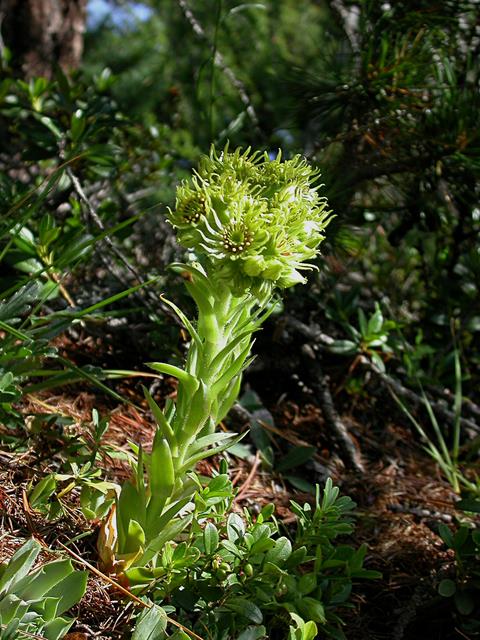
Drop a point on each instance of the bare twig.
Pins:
(349, 17)
(446, 396)
(319, 382)
(98, 222)
(166, 310)
(239, 414)
(57, 279)
(244, 488)
(219, 61)
(313, 334)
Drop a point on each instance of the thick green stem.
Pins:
(208, 327)
(219, 324)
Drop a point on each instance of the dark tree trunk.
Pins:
(43, 33)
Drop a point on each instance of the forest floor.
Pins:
(400, 494)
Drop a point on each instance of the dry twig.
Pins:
(219, 61)
(166, 310)
(318, 381)
(248, 481)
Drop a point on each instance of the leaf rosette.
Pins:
(256, 221)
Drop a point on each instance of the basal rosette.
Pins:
(256, 221)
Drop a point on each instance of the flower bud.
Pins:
(291, 278)
(254, 265)
(273, 270)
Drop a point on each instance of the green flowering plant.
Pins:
(256, 222)
(251, 224)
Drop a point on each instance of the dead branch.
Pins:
(95, 218)
(219, 62)
(324, 341)
(319, 383)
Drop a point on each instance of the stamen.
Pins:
(230, 242)
(193, 209)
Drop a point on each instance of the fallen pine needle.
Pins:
(129, 594)
(251, 475)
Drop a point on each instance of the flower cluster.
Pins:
(257, 221)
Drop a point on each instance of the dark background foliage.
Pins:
(106, 106)
(383, 97)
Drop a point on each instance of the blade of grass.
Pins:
(457, 405)
(440, 456)
(14, 332)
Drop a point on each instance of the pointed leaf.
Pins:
(43, 490)
(234, 369)
(128, 507)
(169, 532)
(69, 591)
(247, 609)
(229, 397)
(140, 480)
(45, 607)
(11, 606)
(191, 462)
(151, 624)
(20, 301)
(221, 438)
(189, 382)
(210, 538)
(161, 472)
(375, 322)
(135, 538)
(57, 628)
(185, 321)
(219, 360)
(155, 525)
(19, 565)
(38, 583)
(159, 416)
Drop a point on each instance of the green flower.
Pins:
(254, 221)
